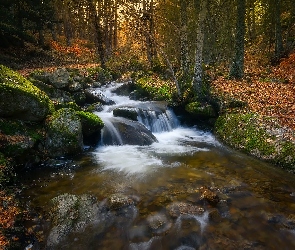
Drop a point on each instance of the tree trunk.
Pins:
(148, 26)
(98, 33)
(251, 25)
(183, 37)
(198, 71)
(115, 30)
(278, 31)
(237, 67)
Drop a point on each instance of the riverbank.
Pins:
(257, 113)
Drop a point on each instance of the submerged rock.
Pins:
(119, 201)
(71, 213)
(209, 196)
(181, 208)
(158, 223)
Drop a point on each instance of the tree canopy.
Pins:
(180, 36)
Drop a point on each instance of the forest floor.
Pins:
(268, 91)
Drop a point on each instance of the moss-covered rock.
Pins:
(19, 140)
(56, 95)
(91, 123)
(20, 99)
(64, 133)
(262, 137)
(71, 105)
(59, 78)
(201, 110)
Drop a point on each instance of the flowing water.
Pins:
(165, 184)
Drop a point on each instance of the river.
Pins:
(167, 183)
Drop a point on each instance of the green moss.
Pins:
(99, 74)
(71, 105)
(198, 109)
(64, 133)
(249, 133)
(287, 155)
(12, 82)
(91, 119)
(16, 127)
(155, 88)
(55, 120)
(243, 131)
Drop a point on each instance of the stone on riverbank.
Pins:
(64, 133)
(20, 99)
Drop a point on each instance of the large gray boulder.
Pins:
(20, 99)
(64, 133)
(59, 78)
(121, 131)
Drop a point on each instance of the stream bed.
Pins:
(186, 191)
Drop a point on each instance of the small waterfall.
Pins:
(111, 133)
(156, 121)
(134, 122)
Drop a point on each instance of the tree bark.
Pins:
(198, 71)
(98, 33)
(237, 67)
(183, 37)
(278, 31)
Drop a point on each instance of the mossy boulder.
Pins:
(64, 133)
(91, 127)
(20, 99)
(59, 78)
(91, 123)
(203, 110)
(19, 140)
(71, 105)
(262, 137)
(56, 95)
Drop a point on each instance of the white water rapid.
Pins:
(173, 139)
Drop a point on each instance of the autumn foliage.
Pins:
(269, 91)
